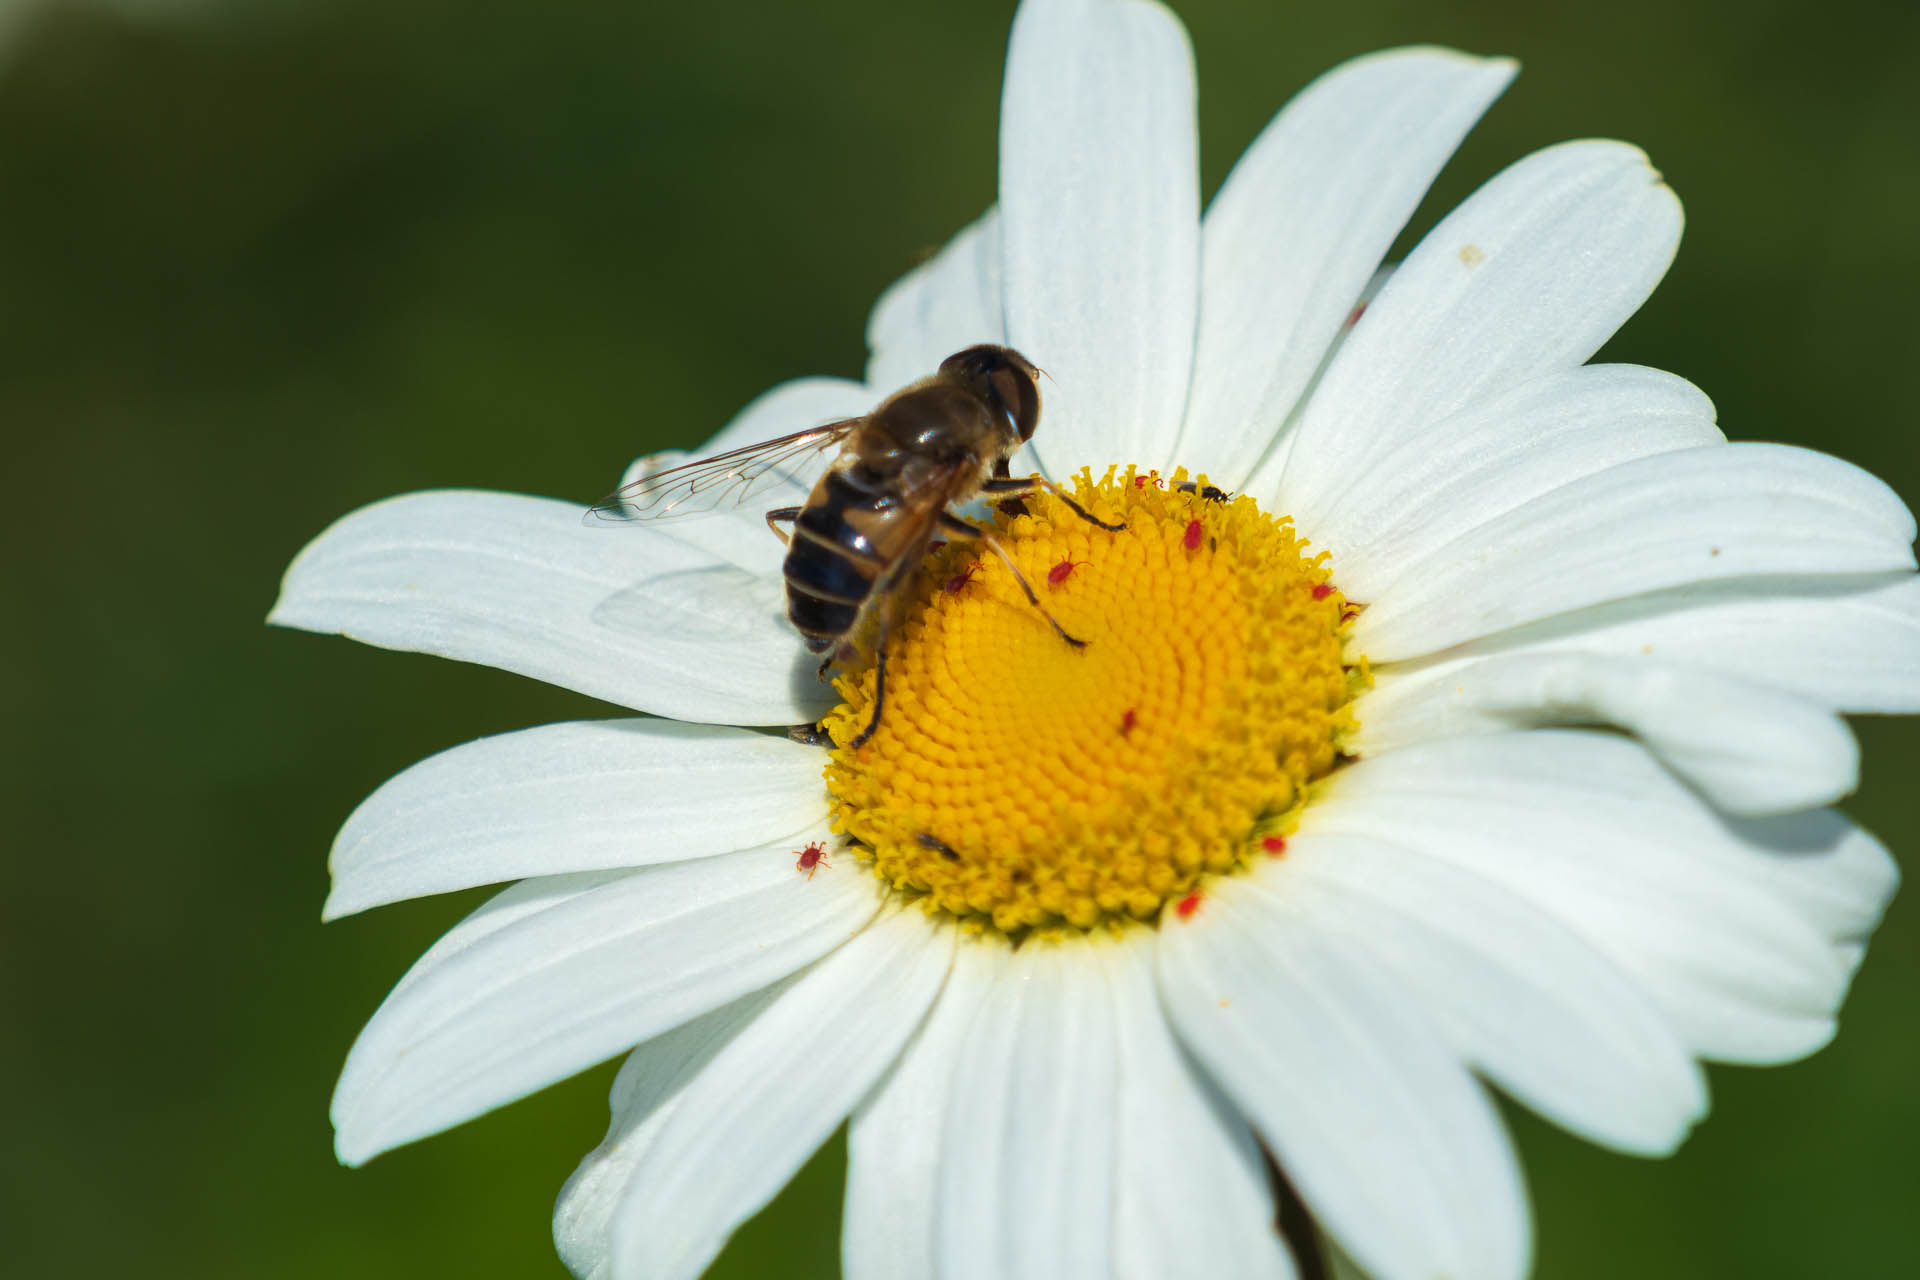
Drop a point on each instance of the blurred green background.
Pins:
(262, 264)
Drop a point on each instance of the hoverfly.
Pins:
(855, 546)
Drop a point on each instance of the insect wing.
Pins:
(721, 482)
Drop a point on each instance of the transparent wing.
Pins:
(721, 482)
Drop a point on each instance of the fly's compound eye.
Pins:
(1019, 397)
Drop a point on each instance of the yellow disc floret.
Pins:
(1023, 782)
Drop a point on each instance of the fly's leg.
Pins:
(786, 514)
(1027, 484)
(888, 591)
(1007, 506)
(816, 735)
(879, 694)
(960, 528)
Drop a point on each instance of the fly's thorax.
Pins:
(939, 421)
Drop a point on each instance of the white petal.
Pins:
(559, 989)
(1514, 992)
(510, 906)
(1027, 1181)
(774, 1094)
(1190, 1195)
(1394, 1147)
(894, 1143)
(943, 305)
(1099, 207)
(1693, 515)
(1339, 1265)
(738, 533)
(649, 1087)
(1497, 454)
(1275, 462)
(1748, 749)
(1837, 876)
(584, 796)
(1299, 226)
(1709, 916)
(625, 614)
(1529, 276)
(1848, 644)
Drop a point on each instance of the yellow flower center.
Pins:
(1021, 782)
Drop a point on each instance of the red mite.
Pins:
(1275, 845)
(1059, 573)
(1152, 477)
(1127, 722)
(1188, 905)
(958, 582)
(812, 858)
(1322, 591)
(1193, 535)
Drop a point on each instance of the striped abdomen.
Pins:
(849, 534)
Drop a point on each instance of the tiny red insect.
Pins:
(958, 582)
(1060, 572)
(1152, 477)
(1127, 722)
(812, 858)
(1322, 591)
(1193, 535)
(1275, 845)
(1188, 905)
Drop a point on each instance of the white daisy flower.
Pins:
(1480, 737)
